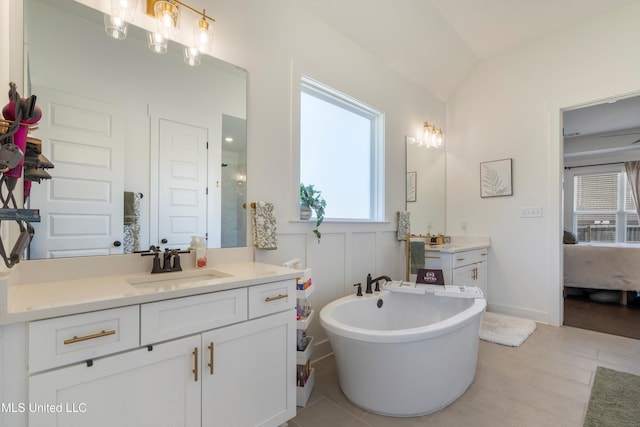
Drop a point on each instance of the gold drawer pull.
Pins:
(432, 257)
(277, 297)
(210, 364)
(88, 337)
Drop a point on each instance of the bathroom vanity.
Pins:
(462, 264)
(211, 347)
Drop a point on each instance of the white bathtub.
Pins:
(414, 355)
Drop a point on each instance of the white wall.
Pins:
(509, 107)
(280, 41)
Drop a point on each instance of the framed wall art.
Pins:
(495, 178)
(412, 178)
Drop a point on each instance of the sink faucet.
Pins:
(371, 281)
(170, 259)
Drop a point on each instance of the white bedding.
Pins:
(607, 266)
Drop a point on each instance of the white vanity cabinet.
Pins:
(220, 359)
(141, 387)
(460, 268)
(248, 373)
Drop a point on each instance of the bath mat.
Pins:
(505, 330)
(614, 399)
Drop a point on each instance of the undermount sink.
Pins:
(176, 278)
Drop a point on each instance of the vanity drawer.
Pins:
(434, 260)
(271, 298)
(164, 320)
(70, 339)
(460, 259)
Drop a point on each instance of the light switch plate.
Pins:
(534, 212)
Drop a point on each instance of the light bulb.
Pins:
(203, 38)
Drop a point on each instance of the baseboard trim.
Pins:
(509, 310)
(322, 349)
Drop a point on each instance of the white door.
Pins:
(182, 183)
(143, 387)
(81, 207)
(250, 365)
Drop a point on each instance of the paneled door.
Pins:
(182, 182)
(81, 207)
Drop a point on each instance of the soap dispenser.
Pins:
(194, 243)
(201, 254)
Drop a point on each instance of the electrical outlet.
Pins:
(531, 212)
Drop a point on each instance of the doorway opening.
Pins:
(599, 214)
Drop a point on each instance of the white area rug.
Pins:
(505, 330)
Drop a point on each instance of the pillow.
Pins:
(569, 238)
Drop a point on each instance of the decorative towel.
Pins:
(131, 222)
(416, 256)
(403, 225)
(264, 226)
(129, 207)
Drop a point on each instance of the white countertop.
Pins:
(33, 301)
(456, 247)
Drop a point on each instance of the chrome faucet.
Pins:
(371, 281)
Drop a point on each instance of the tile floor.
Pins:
(544, 382)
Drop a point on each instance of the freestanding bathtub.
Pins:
(402, 354)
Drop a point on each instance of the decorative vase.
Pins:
(305, 212)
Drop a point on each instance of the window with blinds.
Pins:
(604, 210)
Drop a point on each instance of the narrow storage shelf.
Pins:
(304, 293)
(304, 355)
(303, 393)
(304, 322)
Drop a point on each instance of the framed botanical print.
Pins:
(495, 178)
(411, 186)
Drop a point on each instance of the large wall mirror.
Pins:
(147, 150)
(425, 188)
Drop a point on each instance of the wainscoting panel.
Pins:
(339, 260)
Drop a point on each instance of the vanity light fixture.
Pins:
(122, 11)
(432, 136)
(167, 15)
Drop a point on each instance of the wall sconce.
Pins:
(122, 12)
(432, 136)
(167, 15)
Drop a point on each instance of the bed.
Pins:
(602, 266)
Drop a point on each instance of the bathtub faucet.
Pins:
(371, 281)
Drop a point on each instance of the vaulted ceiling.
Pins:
(436, 43)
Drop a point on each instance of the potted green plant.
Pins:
(311, 199)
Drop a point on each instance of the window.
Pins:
(342, 152)
(604, 210)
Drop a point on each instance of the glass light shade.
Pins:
(157, 42)
(124, 9)
(192, 56)
(203, 37)
(167, 16)
(115, 27)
